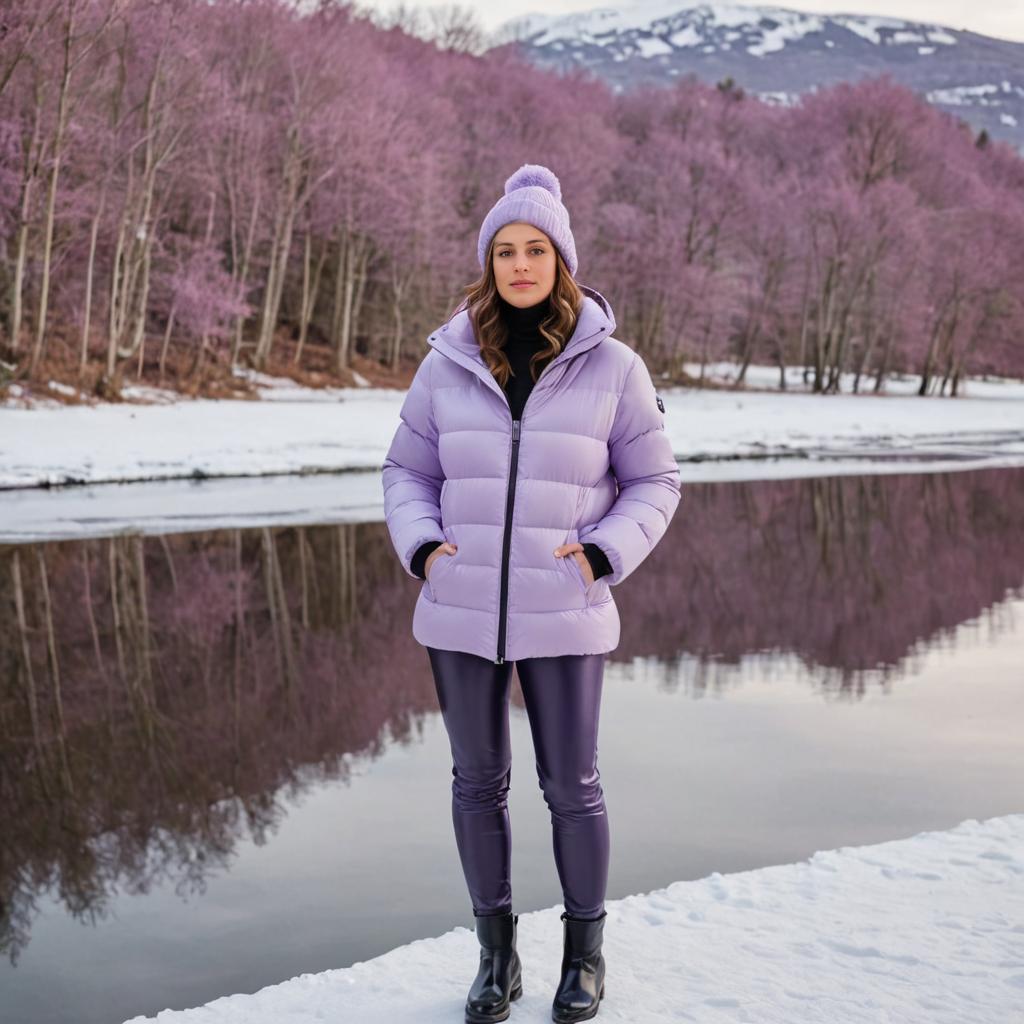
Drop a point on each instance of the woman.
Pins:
(529, 474)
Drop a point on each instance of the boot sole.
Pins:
(472, 1017)
(573, 1018)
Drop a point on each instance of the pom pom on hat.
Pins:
(535, 175)
(533, 195)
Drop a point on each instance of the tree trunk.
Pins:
(89, 272)
(284, 220)
(166, 342)
(310, 293)
(241, 276)
(51, 199)
(28, 182)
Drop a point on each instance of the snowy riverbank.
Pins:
(296, 430)
(923, 930)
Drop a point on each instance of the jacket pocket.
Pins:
(571, 565)
(439, 569)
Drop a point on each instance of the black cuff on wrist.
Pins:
(598, 560)
(419, 560)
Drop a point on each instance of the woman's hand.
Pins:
(576, 550)
(445, 549)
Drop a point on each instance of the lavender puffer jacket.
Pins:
(588, 461)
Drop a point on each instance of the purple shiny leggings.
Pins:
(563, 701)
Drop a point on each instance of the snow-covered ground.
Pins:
(923, 930)
(299, 430)
(299, 439)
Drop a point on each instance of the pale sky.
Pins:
(1001, 18)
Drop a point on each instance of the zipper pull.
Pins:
(515, 431)
(499, 661)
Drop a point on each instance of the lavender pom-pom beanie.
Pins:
(534, 195)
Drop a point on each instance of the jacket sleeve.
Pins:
(645, 467)
(412, 474)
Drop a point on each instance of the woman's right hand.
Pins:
(444, 549)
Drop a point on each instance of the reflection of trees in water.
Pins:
(161, 697)
(850, 574)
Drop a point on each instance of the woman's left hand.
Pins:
(576, 551)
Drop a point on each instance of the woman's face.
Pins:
(523, 253)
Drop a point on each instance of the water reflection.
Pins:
(159, 695)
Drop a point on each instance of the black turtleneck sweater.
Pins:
(524, 341)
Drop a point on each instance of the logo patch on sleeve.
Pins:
(661, 404)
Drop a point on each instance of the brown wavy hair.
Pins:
(483, 301)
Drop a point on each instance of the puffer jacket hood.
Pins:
(589, 461)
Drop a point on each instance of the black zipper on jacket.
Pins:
(506, 544)
(510, 498)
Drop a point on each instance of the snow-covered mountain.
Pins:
(778, 53)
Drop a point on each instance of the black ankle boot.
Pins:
(499, 979)
(581, 987)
